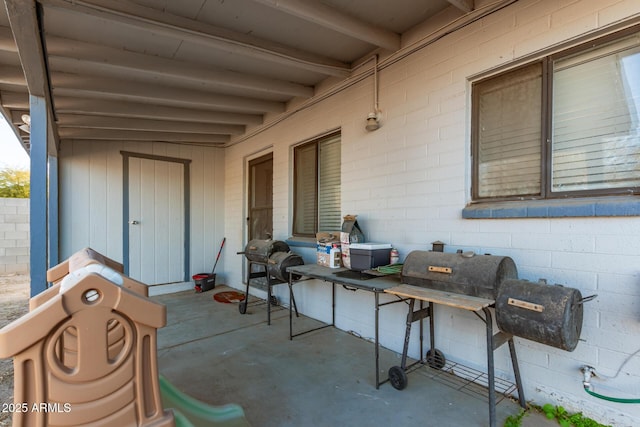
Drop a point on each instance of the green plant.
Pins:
(552, 412)
(565, 419)
(515, 420)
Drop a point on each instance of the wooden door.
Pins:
(156, 222)
(260, 220)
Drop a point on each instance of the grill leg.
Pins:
(432, 329)
(490, 368)
(516, 373)
(407, 334)
(398, 374)
(246, 291)
(243, 304)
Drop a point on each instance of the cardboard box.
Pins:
(350, 233)
(324, 243)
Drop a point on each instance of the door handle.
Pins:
(133, 222)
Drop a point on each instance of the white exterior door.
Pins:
(156, 222)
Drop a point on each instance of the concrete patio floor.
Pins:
(324, 378)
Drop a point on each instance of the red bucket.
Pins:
(204, 282)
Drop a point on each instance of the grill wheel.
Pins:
(436, 359)
(397, 377)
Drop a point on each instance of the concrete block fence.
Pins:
(14, 236)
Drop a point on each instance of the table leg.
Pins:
(377, 314)
(268, 295)
(333, 304)
(290, 308)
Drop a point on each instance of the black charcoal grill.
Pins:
(269, 259)
(551, 315)
(462, 273)
(547, 314)
(259, 250)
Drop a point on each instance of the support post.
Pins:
(54, 230)
(38, 209)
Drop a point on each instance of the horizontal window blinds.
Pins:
(317, 195)
(596, 119)
(509, 133)
(329, 212)
(305, 188)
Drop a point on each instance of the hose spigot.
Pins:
(588, 372)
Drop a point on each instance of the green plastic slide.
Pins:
(190, 412)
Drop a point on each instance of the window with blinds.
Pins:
(509, 133)
(564, 126)
(596, 121)
(316, 201)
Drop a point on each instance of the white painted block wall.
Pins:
(14, 235)
(409, 181)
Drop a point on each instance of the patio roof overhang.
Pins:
(196, 71)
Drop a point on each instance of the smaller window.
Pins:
(316, 186)
(508, 122)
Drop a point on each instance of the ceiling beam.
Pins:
(11, 99)
(66, 55)
(98, 122)
(116, 89)
(10, 75)
(7, 43)
(464, 5)
(25, 27)
(329, 17)
(181, 28)
(103, 107)
(132, 135)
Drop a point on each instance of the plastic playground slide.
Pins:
(190, 412)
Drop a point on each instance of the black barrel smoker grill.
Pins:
(551, 315)
(269, 259)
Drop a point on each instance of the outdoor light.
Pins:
(372, 122)
(26, 126)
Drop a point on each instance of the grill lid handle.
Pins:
(436, 269)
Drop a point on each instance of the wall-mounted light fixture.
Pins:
(26, 126)
(373, 122)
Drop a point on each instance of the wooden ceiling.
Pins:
(189, 71)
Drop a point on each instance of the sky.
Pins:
(12, 154)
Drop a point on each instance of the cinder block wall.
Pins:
(409, 181)
(14, 235)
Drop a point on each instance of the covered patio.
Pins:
(158, 129)
(323, 378)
